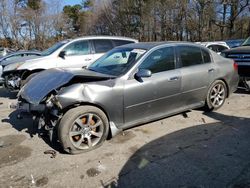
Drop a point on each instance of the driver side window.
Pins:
(77, 48)
(160, 60)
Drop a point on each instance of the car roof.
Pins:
(213, 43)
(104, 37)
(150, 45)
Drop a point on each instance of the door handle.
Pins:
(87, 59)
(211, 70)
(173, 78)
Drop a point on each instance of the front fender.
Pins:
(102, 95)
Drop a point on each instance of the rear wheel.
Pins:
(216, 95)
(83, 129)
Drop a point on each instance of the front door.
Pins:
(157, 95)
(77, 55)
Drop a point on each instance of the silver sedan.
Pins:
(130, 85)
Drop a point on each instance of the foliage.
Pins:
(39, 23)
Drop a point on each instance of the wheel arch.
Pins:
(111, 131)
(27, 73)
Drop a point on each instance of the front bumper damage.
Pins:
(12, 82)
(44, 118)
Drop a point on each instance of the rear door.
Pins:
(197, 72)
(100, 47)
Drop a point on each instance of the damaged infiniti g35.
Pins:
(130, 85)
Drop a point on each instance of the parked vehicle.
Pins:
(14, 58)
(241, 55)
(217, 46)
(65, 54)
(4, 51)
(130, 85)
(234, 42)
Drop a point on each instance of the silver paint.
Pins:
(127, 101)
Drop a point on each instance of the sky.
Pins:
(71, 2)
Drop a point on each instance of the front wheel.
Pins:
(216, 95)
(83, 129)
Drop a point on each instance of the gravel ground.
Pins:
(187, 150)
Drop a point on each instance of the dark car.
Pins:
(241, 55)
(234, 42)
(14, 57)
(130, 85)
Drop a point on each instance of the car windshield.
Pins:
(246, 42)
(117, 61)
(53, 48)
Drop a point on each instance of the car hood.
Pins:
(240, 50)
(46, 81)
(19, 61)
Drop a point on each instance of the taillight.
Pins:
(235, 66)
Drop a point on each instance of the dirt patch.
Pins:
(14, 181)
(123, 137)
(42, 181)
(11, 152)
(93, 172)
(133, 149)
(143, 130)
(109, 154)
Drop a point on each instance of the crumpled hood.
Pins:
(240, 50)
(46, 81)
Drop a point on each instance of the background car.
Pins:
(128, 86)
(234, 42)
(74, 53)
(14, 58)
(5, 51)
(241, 55)
(217, 46)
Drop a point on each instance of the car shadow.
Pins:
(28, 125)
(7, 94)
(242, 90)
(206, 155)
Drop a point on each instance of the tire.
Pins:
(83, 129)
(216, 96)
(23, 82)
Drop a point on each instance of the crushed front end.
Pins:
(46, 114)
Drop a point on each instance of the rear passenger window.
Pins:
(121, 42)
(102, 46)
(206, 56)
(160, 60)
(190, 55)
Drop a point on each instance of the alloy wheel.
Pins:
(86, 131)
(217, 95)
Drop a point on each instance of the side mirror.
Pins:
(62, 54)
(143, 73)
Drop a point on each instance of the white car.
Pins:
(75, 53)
(217, 46)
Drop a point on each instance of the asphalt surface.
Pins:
(195, 149)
